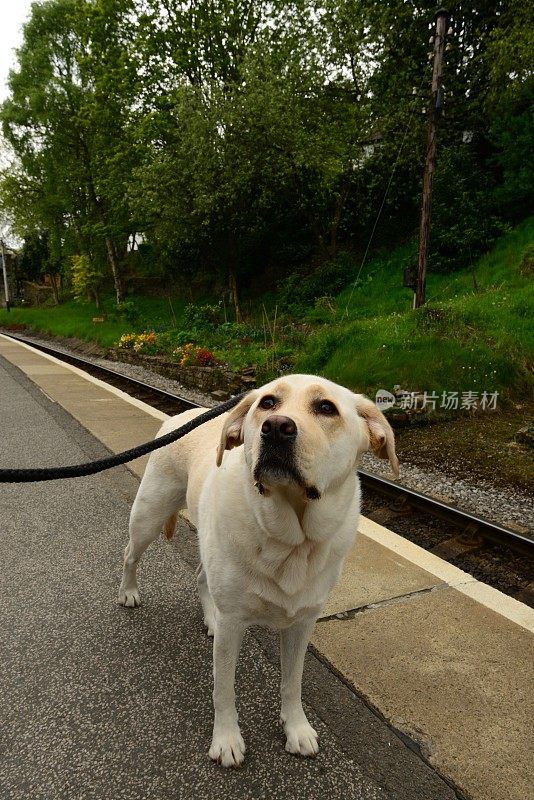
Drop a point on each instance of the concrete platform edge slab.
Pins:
(486, 595)
(153, 412)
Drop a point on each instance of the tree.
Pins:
(485, 142)
(246, 138)
(509, 105)
(66, 125)
(244, 132)
(86, 279)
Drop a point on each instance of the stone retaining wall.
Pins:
(37, 294)
(209, 380)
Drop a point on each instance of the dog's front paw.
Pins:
(302, 739)
(129, 597)
(228, 748)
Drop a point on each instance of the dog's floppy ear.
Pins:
(381, 436)
(232, 432)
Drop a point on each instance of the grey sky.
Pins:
(13, 14)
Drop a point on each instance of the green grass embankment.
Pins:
(468, 337)
(75, 319)
(474, 334)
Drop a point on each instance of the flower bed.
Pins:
(190, 364)
(203, 378)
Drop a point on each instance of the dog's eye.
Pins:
(326, 407)
(267, 402)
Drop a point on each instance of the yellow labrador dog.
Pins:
(276, 516)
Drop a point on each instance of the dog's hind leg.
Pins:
(160, 495)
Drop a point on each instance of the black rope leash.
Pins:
(92, 467)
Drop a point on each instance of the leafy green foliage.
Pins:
(202, 316)
(35, 256)
(467, 337)
(466, 224)
(301, 291)
(248, 142)
(464, 339)
(66, 123)
(86, 278)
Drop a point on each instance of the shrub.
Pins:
(202, 316)
(127, 341)
(127, 310)
(184, 354)
(169, 340)
(145, 342)
(465, 221)
(204, 358)
(189, 355)
(300, 291)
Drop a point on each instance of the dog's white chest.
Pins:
(291, 567)
(286, 583)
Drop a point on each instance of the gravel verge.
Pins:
(157, 380)
(509, 507)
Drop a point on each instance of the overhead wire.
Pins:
(384, 198)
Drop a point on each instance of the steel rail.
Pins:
(462, 519)
(476, 525)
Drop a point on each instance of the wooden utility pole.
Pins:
(442, 19)
(4, 270)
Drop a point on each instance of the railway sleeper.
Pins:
(467, 541)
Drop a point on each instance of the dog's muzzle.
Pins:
(276, 462)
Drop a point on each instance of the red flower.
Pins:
(204, 357)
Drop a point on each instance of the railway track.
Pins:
(459, 534)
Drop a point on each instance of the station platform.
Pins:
(419, 678)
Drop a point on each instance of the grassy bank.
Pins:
(474, 334)
(74, 319)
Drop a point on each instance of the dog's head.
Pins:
(306, 431)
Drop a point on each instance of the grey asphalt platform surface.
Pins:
(98, 701)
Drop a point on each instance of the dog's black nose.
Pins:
(278, 428)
